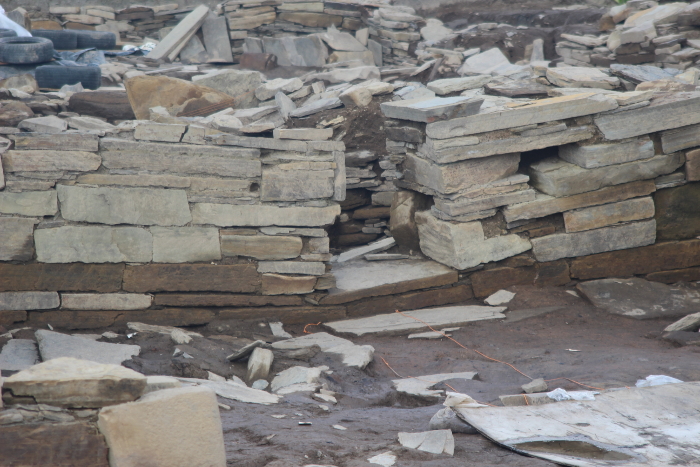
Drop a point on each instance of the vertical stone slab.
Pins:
(16, 238)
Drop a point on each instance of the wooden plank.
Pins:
(180, 34)
(216, 39)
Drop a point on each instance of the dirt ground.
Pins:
(612, 351)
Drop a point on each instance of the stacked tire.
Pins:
(63, 39)
(100, 40)
(56, 76)
(25, 50)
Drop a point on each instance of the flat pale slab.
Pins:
(396, 323)
(420, 385)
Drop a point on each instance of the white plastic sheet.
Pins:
(656, 380)
(7, 23)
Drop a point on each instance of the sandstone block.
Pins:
(312, 20)
(692, 165)
(17, 238)
(680, 138)
(29, 300)
(260, 247)
(185, 244)
(237, 278)
(65, 277)
(107, 301)
(57, 142)
(450, 85)
(292, 267)
(297, 185)
(239, 84)
(276, 284)
(581, 77)
(431, 110)
(51, 124)
(175, 427)
(29, 203)
(224, 300)
(608, 214)
(307, 134)
(152, 131)
(139, 206)
(93, 244)
(601, 155)
(49, 161)
(263, 215)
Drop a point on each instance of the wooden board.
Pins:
(180, 34)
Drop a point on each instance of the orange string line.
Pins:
(576, 382)
(311, 324)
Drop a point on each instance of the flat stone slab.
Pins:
(687, 323)
(376, 247)
(420, 385)
(19, 354)
(353, 355)
(359, 279)
(234, 391)
(403, 323)
(56, 345)
(430, 110)
(641, 299)
(306, 377)
(69, 382)
(434, 441)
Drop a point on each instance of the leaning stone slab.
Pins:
(601, 155)
(69, 382)
(545, 110)
(450, 85)
(545, 205)
(353, 355)
(403, 323)
(581, 77)
(462, 206)
(687, 323)
(19, 354)
(556, 177)
(420, 385)
(608, 214)
(666, 112)
(640, 299)
(49, 161)
(185, 244)
(93, 244)
(105, 301)
(375, 247)
(147, 432)
(434, 441)
(17, 235)
(56, 345)
(226, 215)
(306, 378)
(589, 242)
(680, 138)
(29, 300)
(136, 206)
(431, 110)
(292, 267)
(29, 203)
(316, 107)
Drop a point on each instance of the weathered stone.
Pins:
(287, 314)
(430, 110)
(357, 280)
(687, 323)
(545, 110)
(364, 58)
(590, 242)
(308, 134)
(581, 77)
(268, 89)
(609, 214)
(467, 206)
(601, 155)
(251, 22)
(181, 158)
(457, 293)
(185, 244)
(263, 215)
(49, 161)
(19, 354)
(640, 299)
(139, 206)
(56, 345)
(296, 185)
(292, 267)
(57, 142)
(666, 112)
(676, 217)
(316, 106)
(276, 284)
(93, 244)
(86, 124)
(239, 84)
(356, 96)
(29, 300)
(296, 51)
(536, 385)
(108, 301)
(50, 124)
(17, 238)
(545, 205)
(311, 20)
(69, 382)
(692, 165)
(450, 178)
(420, 386)
(558, 178)
(463, 245)
(337, 40)
(403, 227)
(260, 246)
(165, 181)
(152, 131)
(680, 138)
(113, 105)
(145, 431)
(66, 277)
(224, 300)
(239, 278)
(259, 364)
(450, 85)
(35, 444)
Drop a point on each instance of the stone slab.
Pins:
(93, 244)
(356, 280)
(17, 238)
(640, 299)
(608, 214)
(48, 161)
(107, 301)
(185, 244)
(260, 246)
(687, 323)
(68, 319)
(224, 300)
(374, 247)
(165, 132)
(29, 300)
(216, 39)
(19, 354)
(420, 385)
(76, 277)
(450, 85)
(142, 180)
(288, 315)
(601, 155)
(403, 323)
(676, 215)
(431, 110)
(353, 355)
(296, 185)
(680, 138)
(565, 245)
(29, 203)
(57, 142)
(277, 284)
(292, 267)
(56, 345)
(263, 215)
(236, 278)
(463, 206)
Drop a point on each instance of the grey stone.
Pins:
(194, 52)
(377, 52)
(285, 104)
(139, 206)
(216, 39)
(463, 245)
(304, 134)
(259, 364)
(430, 110)
(141, 180)
(19, 354)
(56, 345)
(263, 215)
(105, 301)
(89, 123)
(268, 89)
(640, 73)
(234, 391)
(292, 267)
(152, 131)
(261, 143)
(484, 62)
(461, 206)
(337, 40)
(29, 300)
(240, 84)
(296, 51)
(49, 161)
(556, 177)
(374, 247)
(296, 185)
(420, 386)
(687, 323)
(609, 214)
(17, 238)
(536, 385)
(261, 246)
(601, 155)
(44, 125)
(450, 85)
(93, 244)
(403, 323)
(434, 442)
(158, 383)
(316, 107)
(353, 355)
(581, 77)
(185, 244)
(589, 242)
(297, 375)
(680, 138)
(640, 299)
(447, 419)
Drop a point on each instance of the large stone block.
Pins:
(296, 51)
(93, 244)
(609, 214)
(263, 215)
(463, 245)
(29, 300)
(53, 345)
(677, 215)
(106, 301)
(450, 178)
(680, 138)
(185, 244)
(601, 155)
(29, 203)
(139, 206)
(67, 319)
(260, 246)
(178, 427)
(240, 278)
(57, 142)
(276, 284)
(152, 131)
(240, 84)
(402, 223)
(49, 161)
(77, 277)
(558, 178)
(297, 185)
(17, 236)
(589, 242)
(224, 300)
(180, 158)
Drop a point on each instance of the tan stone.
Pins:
(260, 247)
(609, 214)
(264, 215)
(259, 364)
(48, 161)
(17, 236)
(312, 20)
(178, 427)
(692, 165)
(403, 209)
(106, 301)
(276, 284)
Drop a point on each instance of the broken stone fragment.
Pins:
(536, 385)
(501, 297)
(435, 442)
(56, 345)
(259, 364)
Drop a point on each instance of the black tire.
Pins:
(64, 39)
(55, 77)
(7, 33)
(25, 50)
(98, 39)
